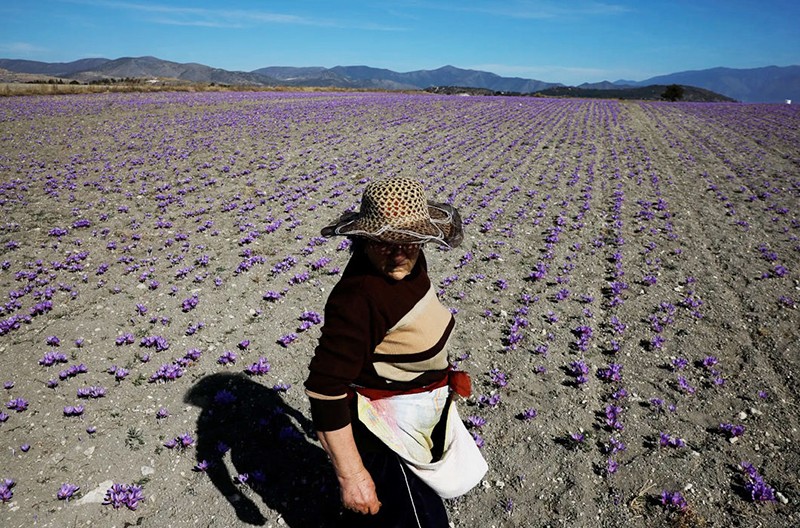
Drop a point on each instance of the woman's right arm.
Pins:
(355, 482)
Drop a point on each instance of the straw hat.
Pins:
(396, 211)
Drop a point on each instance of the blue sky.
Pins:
(570, 42)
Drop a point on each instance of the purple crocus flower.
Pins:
(476, 421)
(288, 338)
(759, 490)
(733, 431)
(666, 440)
(17, 404)
(259, 368)
(5, 490)
(227, 357)
(66, 491)
(489, 400)
(76, 410)
(673, 500)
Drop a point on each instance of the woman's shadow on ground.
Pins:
(248, 427)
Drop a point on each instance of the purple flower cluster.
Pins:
(125, 339)
(119, 373)
(157, 342)
(189, 303)
(287, 339)
(490, 400)
(613, 413)
(66, 491)
(271, 296)
(673, 500)
(227, 357)
(258, 368)
(167, 372)
(583, 334)
(579, 370)
(5, 489)
(180, 442)
(759, 490)
(667, 440)
(76, 410)
(733, 430)
(611, 373)
(119, 495)
(308, 319)
(51, 358)
(91, 392)
(72, 371)
(498, 379)
(17, 404)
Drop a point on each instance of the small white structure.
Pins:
(788, 101)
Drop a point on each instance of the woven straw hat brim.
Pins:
(443, 227)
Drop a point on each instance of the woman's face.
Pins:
(393, 260)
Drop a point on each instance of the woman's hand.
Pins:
(358, 492)
(356, 484)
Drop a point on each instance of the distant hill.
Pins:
(53, 69)
(651, 92)
(769, 84)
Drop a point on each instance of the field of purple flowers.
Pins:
(626, 302)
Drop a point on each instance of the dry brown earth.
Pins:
(172, 186)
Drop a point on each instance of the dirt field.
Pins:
(626, 302)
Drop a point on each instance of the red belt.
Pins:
(458, 381)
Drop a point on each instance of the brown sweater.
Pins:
(378, 333)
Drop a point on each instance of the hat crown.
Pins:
(395, 201)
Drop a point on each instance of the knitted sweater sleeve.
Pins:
(351, 330)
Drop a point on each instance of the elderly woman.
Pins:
(380, 382)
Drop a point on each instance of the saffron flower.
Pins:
(119, 495)
(66, 491)
(190, 303)
(612, 373)
(475, 421)
(733, 431)
(201, 466)
(17, 404)
(673, 500)
(489, 400)
(91, 392)
(76, 410)
(162, 413)
(51, 358)
(759, 490)
(529, 414)
(258, 368)
(227, 357)
(288, 338)
(167, 372)
(666, 440)
(5, 489)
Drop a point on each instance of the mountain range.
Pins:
(771, 84)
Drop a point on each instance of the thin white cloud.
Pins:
(221, 17)
(21, 48)
(529, 9)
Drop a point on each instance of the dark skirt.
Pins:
(406, 501)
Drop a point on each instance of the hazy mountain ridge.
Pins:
(768, 84)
